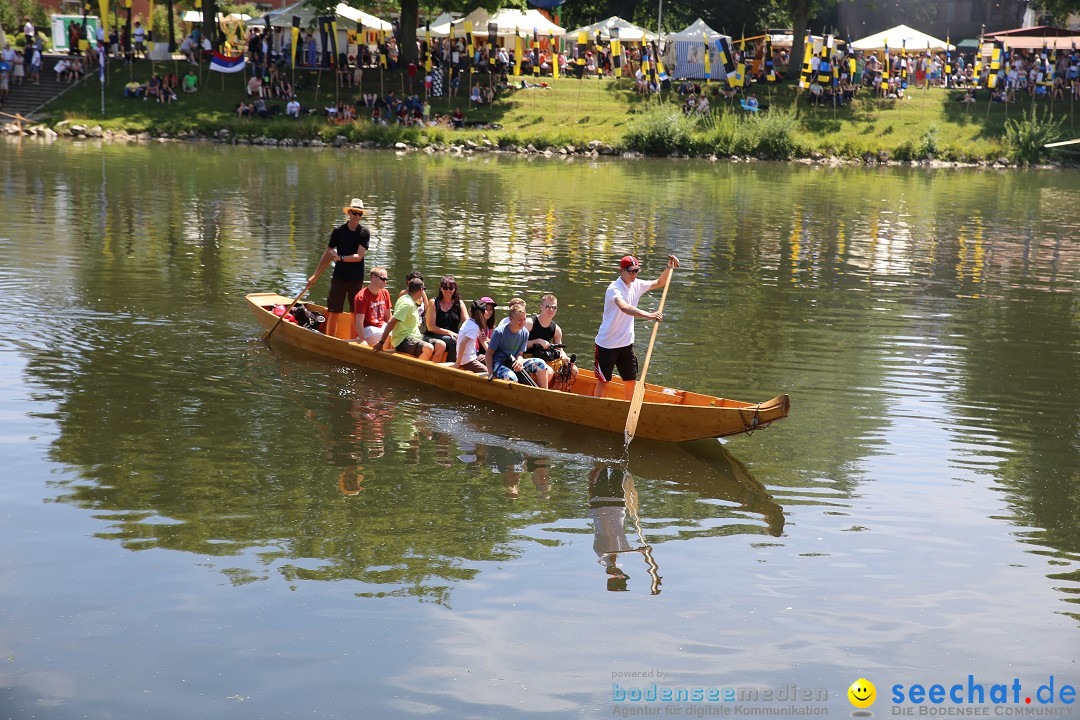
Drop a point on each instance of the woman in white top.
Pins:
(469, 339)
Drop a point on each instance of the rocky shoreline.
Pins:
(74, 131)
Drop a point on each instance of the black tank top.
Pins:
(539, 332)
(449, 320)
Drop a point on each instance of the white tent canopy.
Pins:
(628, 31)
(370, 22)
(510, 22)
(901, 36)
(441, 20)
(685, 51)
(346, 16)
(195, 16)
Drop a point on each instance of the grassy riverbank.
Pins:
(932, 123)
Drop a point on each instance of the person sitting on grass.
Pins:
(133, 89)
(474, 96)
(190, 82)
(284, 87)
(168, 92)
(457, 119)
(292, 109)
(153, 88)
(254, 86)
(243, 109)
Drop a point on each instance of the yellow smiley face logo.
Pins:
(862, 693)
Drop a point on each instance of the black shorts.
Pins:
(622, 358)
(451, 343)
(411, 346)
(340, 291)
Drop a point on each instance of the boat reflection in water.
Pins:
(699, 488)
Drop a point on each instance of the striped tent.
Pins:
(685, 52)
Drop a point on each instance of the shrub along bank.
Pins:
(930, 124)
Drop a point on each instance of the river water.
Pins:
(193, 524)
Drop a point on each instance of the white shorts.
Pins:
(372, 334)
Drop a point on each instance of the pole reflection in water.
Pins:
(611, 495)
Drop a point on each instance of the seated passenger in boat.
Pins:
(443, 318)
(372, 307)
(504, 354)
(472, 340)
(403, 330)
(489, 318)
(409, 278)
(544, 332)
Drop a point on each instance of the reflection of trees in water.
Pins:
(182, 455)
(1032, 352)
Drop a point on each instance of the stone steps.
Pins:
(28, 98)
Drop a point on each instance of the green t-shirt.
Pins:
(407, 314)
(189, 82)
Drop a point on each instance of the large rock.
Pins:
(340, 141)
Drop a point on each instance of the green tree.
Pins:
(1058, 10)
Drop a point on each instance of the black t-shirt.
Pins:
(347, 242)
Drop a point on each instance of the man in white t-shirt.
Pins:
(615, 339)
(140, 40)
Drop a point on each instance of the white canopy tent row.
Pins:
(195, 16)
(628, 31)
(509, 22)
(899, 37)
(684, 53)
(346, 17)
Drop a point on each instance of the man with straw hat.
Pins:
(347, 246)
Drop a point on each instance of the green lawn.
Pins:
(570, 112)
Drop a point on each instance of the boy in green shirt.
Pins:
(404, 327)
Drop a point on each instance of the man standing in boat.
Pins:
(615, 339)
(347, 246)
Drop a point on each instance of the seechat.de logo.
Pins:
(862, 695)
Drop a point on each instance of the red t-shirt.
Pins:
(375, 308)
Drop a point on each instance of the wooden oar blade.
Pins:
(634, 414)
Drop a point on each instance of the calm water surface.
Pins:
(195, 525)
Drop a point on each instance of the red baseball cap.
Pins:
(629, 261)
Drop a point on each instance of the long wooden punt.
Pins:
(667, 414)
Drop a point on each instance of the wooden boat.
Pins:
(667, 414)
